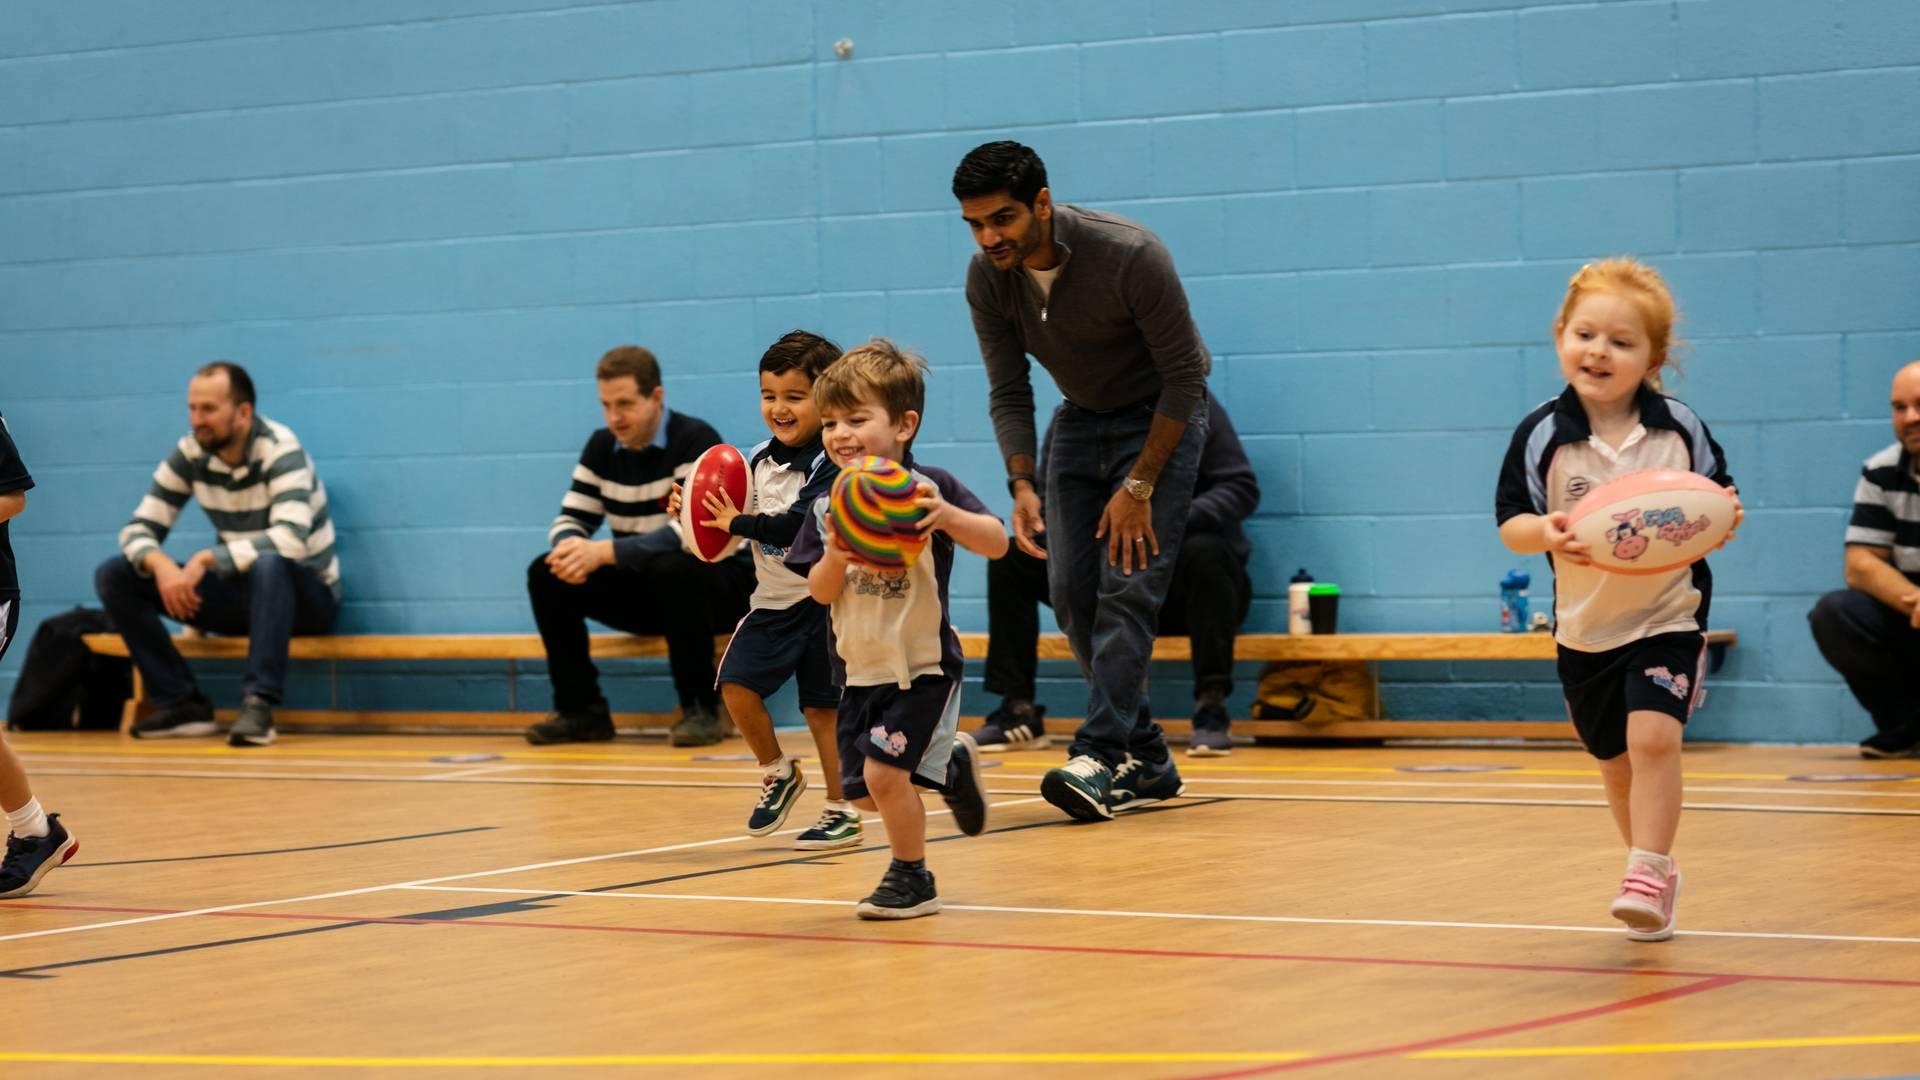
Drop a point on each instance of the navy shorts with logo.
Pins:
(909, 729)
(1659, 674)
(772, 645)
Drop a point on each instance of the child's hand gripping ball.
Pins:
(876, 515)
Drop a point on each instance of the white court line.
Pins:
(1176, 915)
(1443, 801)
(483, 770)
(735, 839)
(195, 774)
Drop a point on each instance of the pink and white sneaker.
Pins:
(1646, 903)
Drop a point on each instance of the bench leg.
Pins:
(136, 706)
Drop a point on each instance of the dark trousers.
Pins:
(1877, 650)
(670, 593)
(1207, 602)
(1110, 617)
(275, 599)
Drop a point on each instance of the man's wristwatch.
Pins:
(1139, 490)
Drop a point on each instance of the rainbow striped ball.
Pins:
(874, 513)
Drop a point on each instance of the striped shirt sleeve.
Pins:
(154, 518)
(583, 508)
(1873, 523)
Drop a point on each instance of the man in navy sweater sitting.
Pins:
(641, 581)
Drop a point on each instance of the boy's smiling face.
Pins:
(786, 404)
(865, 430)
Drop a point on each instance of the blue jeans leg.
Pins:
(283, 598)
(133, 602)
(1109, 617)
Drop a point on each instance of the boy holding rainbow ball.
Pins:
(879, 551)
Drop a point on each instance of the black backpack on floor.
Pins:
(62, 685)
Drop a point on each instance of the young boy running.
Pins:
(891, 628)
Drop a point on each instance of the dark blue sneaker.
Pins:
(966, 796)
(1136, 784)
(1080, 788)
(30, 858)
(902, 894)
(1006, 729)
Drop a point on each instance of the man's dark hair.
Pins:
(798, 350)
(239, 383)
(1000, 166)
(630, 360)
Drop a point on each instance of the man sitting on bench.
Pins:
(641, 581)
(1207, 601)
(273, 575)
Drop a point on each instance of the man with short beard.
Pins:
(1095, 299)
(272, 574)
(1870, 631)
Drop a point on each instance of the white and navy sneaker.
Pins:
(1080, 788)
(1137, 784)
(835, 829)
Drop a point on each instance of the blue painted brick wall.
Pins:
(419, 222)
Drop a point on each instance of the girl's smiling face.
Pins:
(1605, 351)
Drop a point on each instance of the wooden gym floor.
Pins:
(460, 905)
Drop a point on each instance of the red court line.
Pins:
(1006, 946)
(1643, 1000)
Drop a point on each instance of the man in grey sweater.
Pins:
(1095, 299)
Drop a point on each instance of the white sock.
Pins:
(780, 769)
(29, 820)
(841, 806)
(1663, 864)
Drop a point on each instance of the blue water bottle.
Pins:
(1513, 602)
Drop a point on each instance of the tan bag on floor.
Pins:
(1315, 692)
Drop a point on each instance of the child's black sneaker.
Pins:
(902, 894)
(30, 858)
(966, 796)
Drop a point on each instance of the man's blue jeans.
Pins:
(275, 599)
(1109, 617)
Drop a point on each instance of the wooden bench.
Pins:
(513, 648)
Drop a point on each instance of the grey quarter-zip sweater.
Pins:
(1114, 329)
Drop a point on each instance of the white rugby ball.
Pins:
(1652, 521)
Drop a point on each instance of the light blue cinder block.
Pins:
(1111, 86)
(1307, 230)
(1451, 56)
(1760, 206)
(1636, 39)
(1373, 144)
(1457, 471)
(1371, 309)
(1634, 127)
(1014, 86)
(1879, 202)
(1724, 38)
(1845, 289)
(1206, 155)
(1853, 113)
(1441, 223)
(1300, 392)
(1583, 215)
(1313, 65)
(876, 96)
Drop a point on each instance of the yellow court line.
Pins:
(1675, 1048)
(604, 1060)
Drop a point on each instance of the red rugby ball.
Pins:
(1651, 521)
(721, 468)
